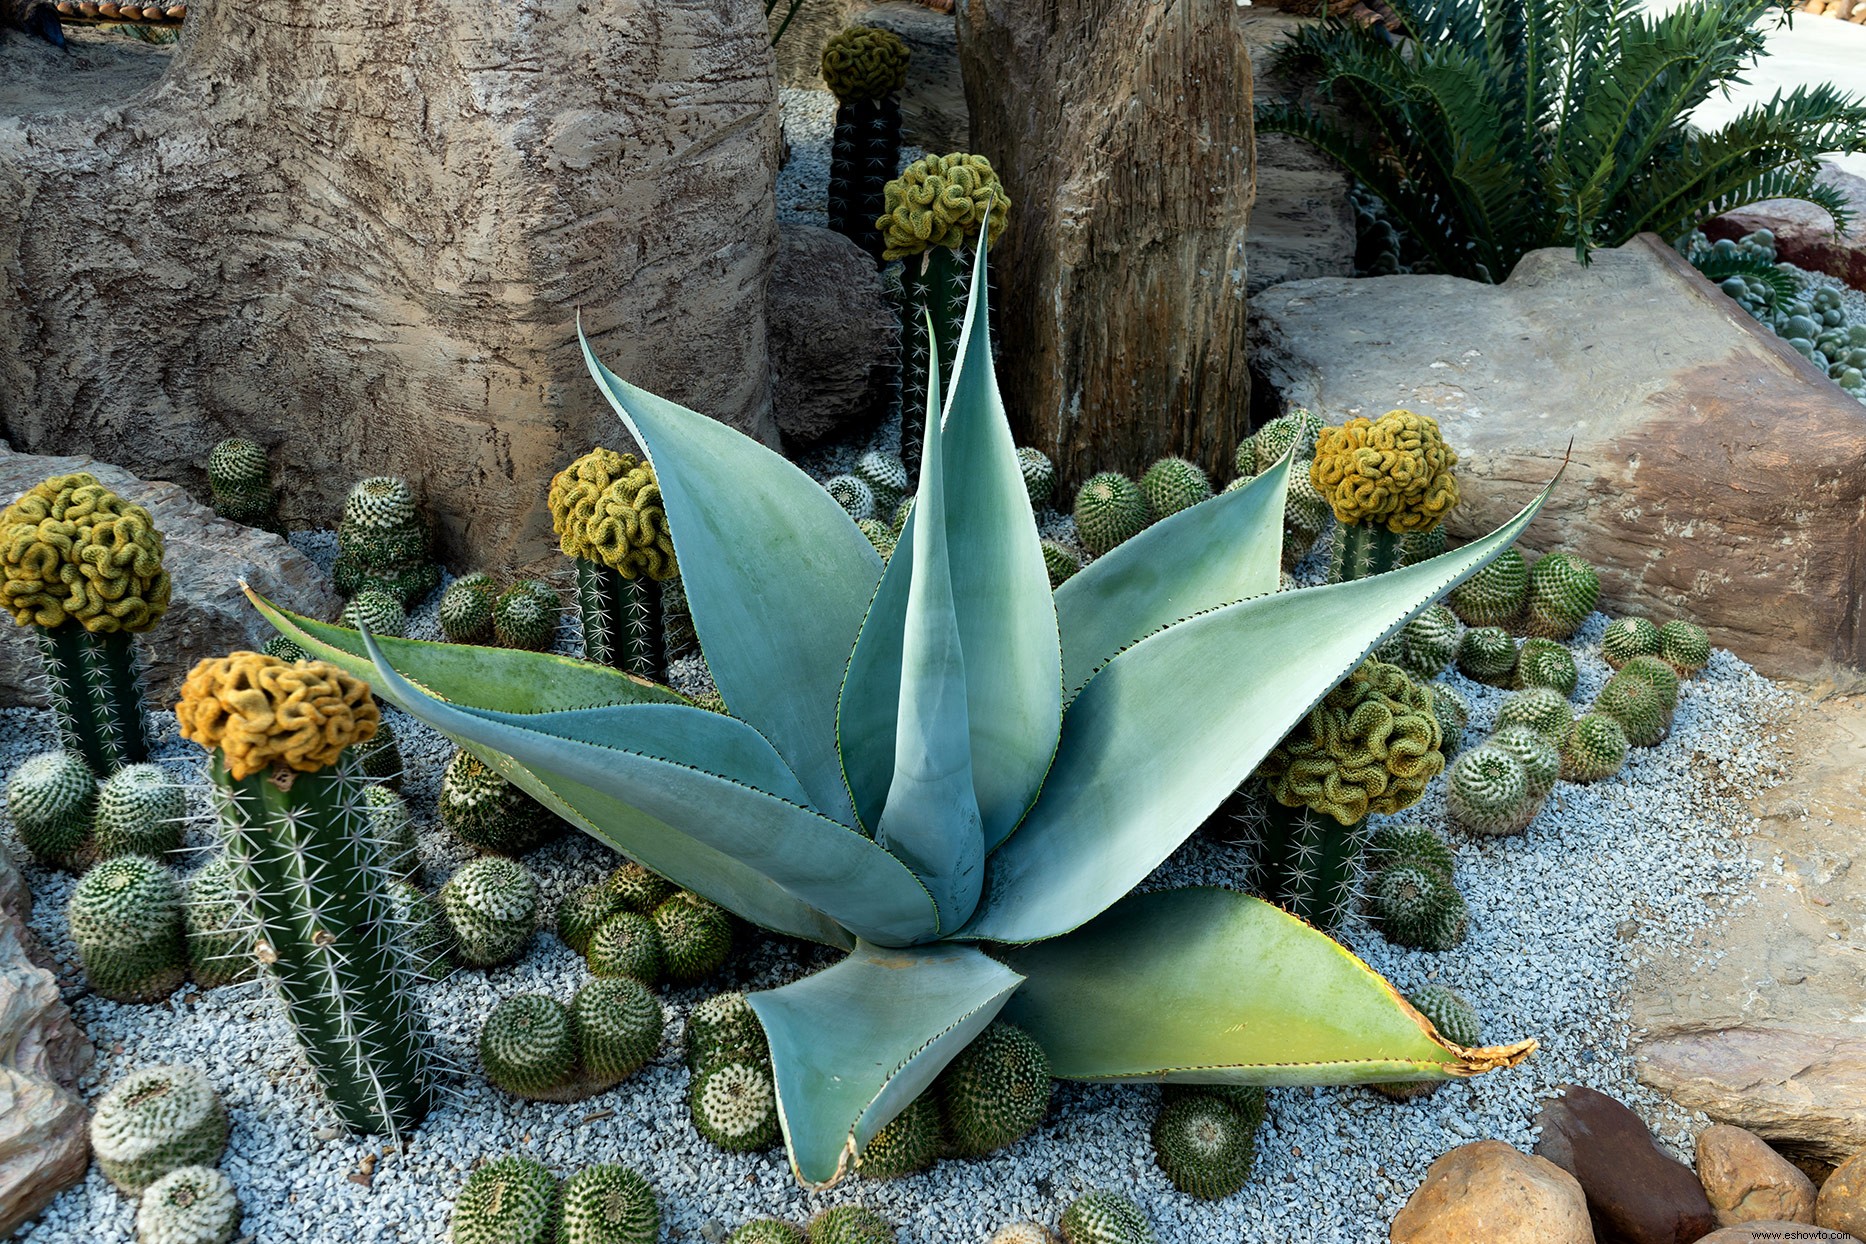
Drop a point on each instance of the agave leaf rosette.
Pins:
(939, 753)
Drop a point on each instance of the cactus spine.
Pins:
(93, 685)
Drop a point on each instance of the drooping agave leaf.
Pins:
(625, 752)
(1219, 551)
(854, 1044)
(1169, 727)
(776, 573)
(931, 818)
(1207, 986)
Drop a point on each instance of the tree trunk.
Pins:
(1122, 130)
(362, 234)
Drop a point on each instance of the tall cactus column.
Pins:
(864, 68)
(1390, 483)
(300, 849)
(607, 511)
(84, 568)
(934, 210)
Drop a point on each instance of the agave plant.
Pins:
(940, 754)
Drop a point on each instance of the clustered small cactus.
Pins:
(382, 542)
(532, 1045)
(1641, 697)
(647, 929)
(1412, 892)
(995, 1092)
(516, 1200)
(1682, 645)
(240, 479)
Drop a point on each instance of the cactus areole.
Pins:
(938, 753)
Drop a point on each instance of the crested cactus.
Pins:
(910, 1142)
(1538, 753)
(1102, 1216)
(1059, 563)
(1495, 595)
(1417, 905)
(1541, 709)
(487, 812)
(126, 918)
(1626, 638)
(607, 511)
(528, 1045)
(491, 904)
(627, 944)
(1595, 747)
(526, 614)
(298, 839)
(1545, 663)
(1487, 792)
(52, 797)
(379, 610)
(995, 1092)
(509, 1200)
(1173, 484)
(1487, 654)
(141, 810)
(582, 912)
(83, 568)
(240, 481)
(1384, 478)
(640, 889)
(619, 1029)
(931, 215)
(608, 1204)
(1205, 1146)
(864, 68)
(382, 542)
(466, 608)
(734, 1105)
(1109, 509)
(156, 1120)
(850, 1224)
(1685, 647)
(1039, 475)
(221, 929)
(189, 1205)
(1453, 714)
(1562, 592)
(1425, 645)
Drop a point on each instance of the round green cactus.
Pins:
(1562, 592)
(1039, 475)
(901, 512)
(1249, 1100)
(156, 1120)
(285, 649)
(1371, 746)
(380, 503)
(1487, 792)
(1685, 647)
(1411, 845)
(1419, 906)
(734, 1105)
(582, 912)
(238, 464)
(380, 611)
(1109, 509)
(696, 937)
(768, 1231)
(1173, 484)
(880, 535)
(126, 917)
(942, 201)
(1305, 516)
(850, 1224)
(421, 930)
(1425, 645)
(52, 797)
(528, 1045)
(1060, 563)
(640, 889)
(619, 1028)
(995, 1092)
(1487, 654)
(1626, 638)
(852, 495)
(1638, 706)
(526, 616)
(487, 812)
(1545, 663)
(375, 550)
(221, 929)
(491, 904)
(141, 810)
(1595, 747)
(1450, 1013)
(466, 608)
(509, 1200)
(1539, 754)
(1422, 546)
(1660, 676)
(1270, 442)
(608, 1204)
(910, 1142)
(886, 477)
(391, 829)
(1453, 715)
(724, 1028)
(1204, 1146)
(1105, 1217)
(863, 63)
(627, 944)
(191, 1205)
(378, 757)
(1495, 595)
(1542, 709)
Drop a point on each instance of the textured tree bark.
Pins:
(1122, 130)
(362, 234)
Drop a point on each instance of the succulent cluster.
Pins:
(1205, 1137)
(1682, 645)
(534, 1046)
(637, 924)
(731, 1095)
(154, 1121)
(382, 542)
(1412, 892)
(491, 907)
(1549, 600)
(240, 480)
(488, 813)
(1306, 512)
(516, 1200)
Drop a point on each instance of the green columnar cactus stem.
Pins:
(734, 1105)
(52, 798)
(1595, 747)
(910, 1142)
(1173, 484)
(509, 1200)
(1109, 509)
(995, 1092)
(1307, 862)
(1105, 1217)
(1204, 1145)
(156, 1120)
(1545, 663)
(1626, 638)
(1384, 478)
(865, 68)
(1562, 592)
(608, 1205)
(191, 1205)
(1362, 551)
(936, 282)
(93, 684)
(126, 918)
(221, 929)
(1495, 595)
(298, 840)
(141, 810)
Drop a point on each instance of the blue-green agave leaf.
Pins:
(853, 1045)
(1206, 986)
(777, 574)
(720, 794)
(1226, 549)
(869, 706)
(1169, 728)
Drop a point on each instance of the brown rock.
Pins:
(1804, 234)
(1804, 1088)
(1841, 1205)
(1490, 1193)
(206, 556)
(1128, 157)
(834, 335)
(1636, 1192)
(1715, 475)
(366, 244)
(1747, 1181)
(1776, 1233)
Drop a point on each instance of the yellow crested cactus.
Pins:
(606, 507)
(863, 63)
(1394, 471)
(71, 550)
(261, 711)
(1370, 746)
(940, 201)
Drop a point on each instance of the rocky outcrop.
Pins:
(366, 244)
(1804, 234)
(206, 556)
(1300, 223)
(1490, 1193)
(834, 335)
(1712, 473)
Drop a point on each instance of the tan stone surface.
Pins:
(1300, 224)
(1122, 130)
(1715, 475)
(1841, 1205)
(365, 243)
(1776, 1233)
(1747, 1181)
(1490, 1193)
(1805, 234)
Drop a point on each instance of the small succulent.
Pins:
(466, 608)
(1685, 647)
(1487, 654)
(509, 1200)
(1103, 1216)
(995, 1092)
(377, 609)
(1109, 509)
(1174, 484)
(1204, 1145)
(156, 1120)
(1419, 906)
(1638, 706)
(1456, 1021)
(391, 830)
(1545, 663)
(1562, 592)
(1425, 645)
(734, 1105)
(126, 917)
(221, 928)
(1595, 747)
(880, 535)
(487, 812)
(52, 798)
(608, 1204)
(189, 1205)
(140, 811)
(1060, 563)
(886, 477)
(724, 1029)
(768, 1231)
(526, 615)
(852, 495)
(1495, 595)
(1487, 792)
(582, 912)
(619, 1028)
(627, 944)
(640, 889)
(850, 1224)
(528, 1045)
(1537, 752)
(491, 904)
(1411, 844)
(1453, 715)
(696, 937)
(1039, 475)
(284, 649)
(426, 939)
(910, 1142)
(1626, 638)
(1541, 709)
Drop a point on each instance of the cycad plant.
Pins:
(939, 753)
(1502, 126)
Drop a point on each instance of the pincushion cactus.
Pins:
(850, 1224)
(1411, 844)
(1626, 638)
(1562, 592)
(222, 933)
(880, 535)
(378, 757)
(141, 810)
(509, 1200)
(83, 568)
(1487, 792)
(1425, 645)
(1541, 709)
(1105, 1217)
(695, 935)
(526, 615)
(1453, 715)
(491, 904)
(724, 1029)
(995, 1092)
(1383, 478)
(854, 496)
(619, 1029)
(1023, 1233)
(1537, 752)
(1659, 674)
(126, 918)
(608, 1204)
(240, 480)
(1495, 595)
(640, 889)
(1487, 654)
(487, 812)
(466, 608)
(382, 542)
(391, 830)
(1638, 706)
(1595, 747)
(1685, 647)
(768, 1231)
(864, 68)
(286, 650)
(1173, 484)
(607, 510)
(52, 797)
(627, 944)
(156, 1120)
(910, 1142)
(190, 1205)
(886, 477)
(1039, 475)
(528, 1044)
(1203, 1145)
(1059, 563)
(582, 912)
(1545, 663)
(377, 609)
(1456, 1021)
(734, 1105)
(1109, 509)
(1417, 905)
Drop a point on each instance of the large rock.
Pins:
(1775, 1233)
(834, 335)
(1490, 1193)
(1713, 475)
(1841, 1205)
(1636, 1192)
(367, 243)
(206, 556)
(1805, 234)
(1747, 1181)
(1122, 130)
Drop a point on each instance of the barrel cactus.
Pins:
(528, 1045)
(608, 1204)
(1487, 792)
(1626, 638)
(910, 1143)
(628, 945)
(1415, 904)
(1039, 475)
(1685, 647)
(1425, 645)
(852, 494)
(1495, 595)
(189, 1205)
(466, 608)
(1452, 1015)
(240, 480)
(1109, 509)
(695, 935)
(1545, 663)
(850, 1224)
(491, 904)
(995, 1092)
(52, 797)
(619, 1029)
(1562, 592)
(1487, 654)
(126, 918)
(734, 1105)
(1540, 709)
(382, 542)
(1538, 753)
(157, 1120)
(509, 1200)
(582, 912)
(1204, 1146)
(526, 614)
(1453, 713)
(1173, 484)
(222, 933)
(1595, 747)
(1102, 1216)
(487, 812)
